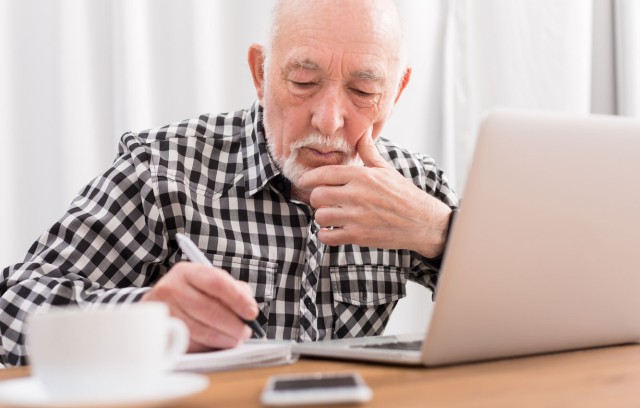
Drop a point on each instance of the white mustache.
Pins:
(292, 169)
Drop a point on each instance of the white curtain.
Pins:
(517, 53)
(75, 75)
(627, 35)
(572, 56)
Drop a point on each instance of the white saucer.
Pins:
(28, 392)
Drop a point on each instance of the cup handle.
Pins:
(178, 341)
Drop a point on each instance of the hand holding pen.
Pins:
(209, 300)
(195, 255)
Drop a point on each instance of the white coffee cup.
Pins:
(109, 352)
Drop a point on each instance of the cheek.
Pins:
(381, 114)
(285, 125)
(360, 125)
(293, 128)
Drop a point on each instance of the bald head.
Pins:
(348, 19)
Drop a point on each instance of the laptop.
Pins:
(544, 254)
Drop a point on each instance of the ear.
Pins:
(256, 65)
(403, 83)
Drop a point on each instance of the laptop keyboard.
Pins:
(400, 345)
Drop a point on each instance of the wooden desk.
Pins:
(607, 377)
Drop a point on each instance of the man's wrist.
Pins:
(434, 236)
(446, 230)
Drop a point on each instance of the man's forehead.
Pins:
(347, 17)
(371, 28)
(353, 65)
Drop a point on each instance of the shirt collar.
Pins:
(259, 167)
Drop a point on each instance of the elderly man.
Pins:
(313, 221)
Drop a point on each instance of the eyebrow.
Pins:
(302, 63)
(368, 75)
(365, 74)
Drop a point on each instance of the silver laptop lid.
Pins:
(544, 255)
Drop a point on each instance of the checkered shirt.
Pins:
(213, 179)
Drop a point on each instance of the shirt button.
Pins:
(307, 302)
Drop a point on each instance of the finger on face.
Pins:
(332, 175)
(369, 153)
(329, 196)
(218, 284)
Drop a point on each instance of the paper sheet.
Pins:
(257, 353)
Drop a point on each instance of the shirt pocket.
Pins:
(260, 274)
(364, 297)
(367, 285)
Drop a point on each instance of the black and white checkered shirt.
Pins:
(212, 179)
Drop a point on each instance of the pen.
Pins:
(196, 256)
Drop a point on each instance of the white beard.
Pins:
(291, 168)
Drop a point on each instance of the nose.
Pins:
(329, 111)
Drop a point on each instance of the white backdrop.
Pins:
(75, 75)
(627, 40)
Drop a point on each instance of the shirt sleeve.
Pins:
(108, 248)
(423, 270)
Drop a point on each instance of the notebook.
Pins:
(251, 353)
(543, 256)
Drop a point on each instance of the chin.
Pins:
(293, 170)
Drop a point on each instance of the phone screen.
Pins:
(312, 383)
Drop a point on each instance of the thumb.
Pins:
(368, 151)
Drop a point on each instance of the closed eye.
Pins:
(303, 85)
(362, 93)
(364, 99)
